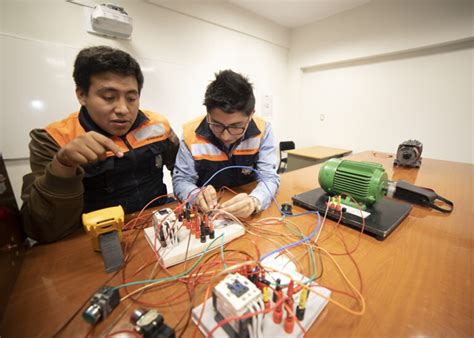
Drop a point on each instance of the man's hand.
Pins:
(241, 205)
(87, 148)
(207, 199)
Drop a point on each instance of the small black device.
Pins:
(423, 196)
(102, 303)
(409, 154)
(287, 209)
(151, 324)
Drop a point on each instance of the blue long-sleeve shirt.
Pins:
(185, 175)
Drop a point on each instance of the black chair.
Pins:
(284, 146)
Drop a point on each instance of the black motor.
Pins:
(409, 154)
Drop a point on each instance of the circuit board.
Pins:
(314, 306)
(185, 245)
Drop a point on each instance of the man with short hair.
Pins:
(229, 135)
(109, 153)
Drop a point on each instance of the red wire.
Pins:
(245, 316)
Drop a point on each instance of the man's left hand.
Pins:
(241, 205)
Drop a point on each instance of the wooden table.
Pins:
(418, 282)
(305, 157)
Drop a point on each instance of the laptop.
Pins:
(11, 237)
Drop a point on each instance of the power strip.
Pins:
(224, 232)
(315, 304)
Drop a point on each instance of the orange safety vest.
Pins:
(155, 129)
(131, 181)
(210, 156)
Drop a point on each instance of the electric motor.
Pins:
(409, 154)
(366, 182)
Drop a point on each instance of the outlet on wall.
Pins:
(321, 117)
(267, 106)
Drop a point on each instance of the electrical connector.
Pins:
(301, 308)
(289, 294)
(278, 313)
(289, 323)
(266, 297)
(276, 291)
(287, 209)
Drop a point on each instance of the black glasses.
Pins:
(219, 128)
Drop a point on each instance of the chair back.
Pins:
(284, 146)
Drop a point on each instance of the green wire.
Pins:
(222, 252)
(172, 277)
(310, 251)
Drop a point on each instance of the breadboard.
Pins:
(172, 254)
(315, 304)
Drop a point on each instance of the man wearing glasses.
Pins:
(229, 135)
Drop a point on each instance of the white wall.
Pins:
(378, 103)
(365, 106)
(231, 16)
(192, 48)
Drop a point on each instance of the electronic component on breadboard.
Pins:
(186, 233)
(236, 296)
(166, 226)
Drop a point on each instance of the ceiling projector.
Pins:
(112, 21)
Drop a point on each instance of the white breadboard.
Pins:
(175, 253)
(315, 304)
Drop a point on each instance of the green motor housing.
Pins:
(366, 182)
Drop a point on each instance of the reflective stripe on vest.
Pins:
(155, 129)
(202, 149)
(249, 146)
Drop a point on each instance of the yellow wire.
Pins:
(216, 273)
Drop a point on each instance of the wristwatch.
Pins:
(257, 205)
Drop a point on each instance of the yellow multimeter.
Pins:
(103, 221)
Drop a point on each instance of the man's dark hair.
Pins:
(230, 92)
(100, 59)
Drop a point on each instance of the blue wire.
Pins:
(242, 167)
(277, 205)
(296, 215)
(305, 239)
